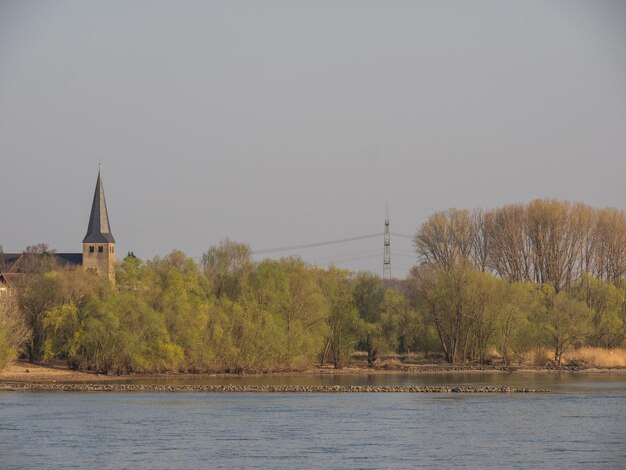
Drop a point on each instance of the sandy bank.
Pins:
(26, 372)
(33, 373)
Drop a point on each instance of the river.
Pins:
(581, 424)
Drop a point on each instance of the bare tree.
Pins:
(546, 241)
(480, 240)
(38, 259)
(14, 323)
(611, 245)
(587, 220)
(446, 238)
(510, 251)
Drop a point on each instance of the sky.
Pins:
(282, 123)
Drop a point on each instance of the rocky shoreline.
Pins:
(154, 388)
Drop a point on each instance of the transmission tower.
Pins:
(387, 253)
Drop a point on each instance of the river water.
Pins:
(581, 424)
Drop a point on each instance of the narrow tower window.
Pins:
(91, 250)
(100, 249)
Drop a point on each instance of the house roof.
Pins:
(69, 258)
(11, 263)
(99, 229)
(9, 279)
(8, 259)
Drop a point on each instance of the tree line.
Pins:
(487, 284)
(549, 272)
(546, 241)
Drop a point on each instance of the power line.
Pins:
(402, 235)
(313, 245)
(355, 258)
(341, 256)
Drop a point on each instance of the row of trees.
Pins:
(226, 314)
(473, 312)
(230, 313)
(545, 241)
(549, 272)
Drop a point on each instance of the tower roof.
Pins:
(99, 230)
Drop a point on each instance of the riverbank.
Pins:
(27, 372)
(21, 372)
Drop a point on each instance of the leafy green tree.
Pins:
(184, 304)
(85, 340)
(397, 322)
(37, 293)
(222, 316)
(485, 304)
(305, 315)
(265, 314)
(565, 321)
(226, 266)
(130, 274)
(6, 352)
(250, 339)
(444, 296)
(607, 302)
(119, 333)
(367, 297)
(14, 329)
(515, 334)
(344, 324)
(421, 336)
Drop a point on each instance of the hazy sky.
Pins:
(287, 123)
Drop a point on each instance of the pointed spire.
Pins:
(99, 230)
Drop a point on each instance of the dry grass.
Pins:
(539, 357)
(597, 357)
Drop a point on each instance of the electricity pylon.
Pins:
(387, 252)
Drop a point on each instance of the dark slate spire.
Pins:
(99, 230)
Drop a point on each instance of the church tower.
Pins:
(99, 244)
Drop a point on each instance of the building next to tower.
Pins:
(98, 253)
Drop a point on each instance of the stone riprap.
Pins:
(157, 388)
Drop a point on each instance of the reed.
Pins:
(596, 357)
